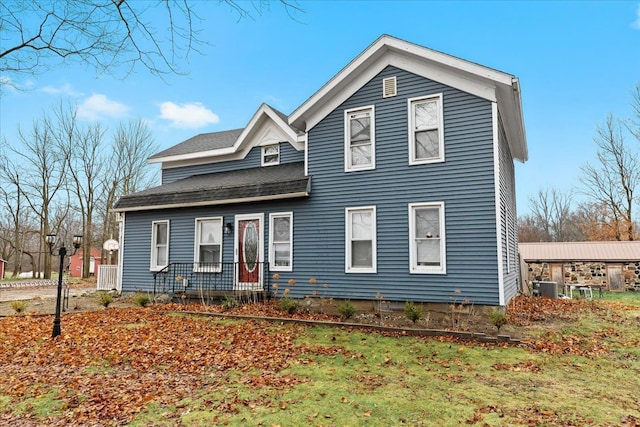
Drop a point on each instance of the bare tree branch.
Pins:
(613, 180)
(111, 36)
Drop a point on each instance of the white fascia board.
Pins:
(239, 150)
(510, 107)
(191, 156)
(218, 158)
(450, 61)
(258, 118)
(215, 202)
(455, 72)
(336, 80)
(479, 87)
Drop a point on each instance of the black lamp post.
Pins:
(62, 252)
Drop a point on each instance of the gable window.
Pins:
(360, 227)
(359, 149)
(159, 245)
(208, 244)
(281, 241)
(271, 155)
(426, 135)
(427, 252)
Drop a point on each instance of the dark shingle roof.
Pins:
(282, 181)
(202, 142)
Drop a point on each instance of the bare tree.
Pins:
(612, 181)
(127, 170)
(551, 217)
(43, 180)
(111, 36)
(12, 218)
(82, 148)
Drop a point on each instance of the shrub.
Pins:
(142, 300)
(18, 306)
(346, 309)
(229, 302)
(104, 299)
(413, 311)
(288, 305)
(498, 318)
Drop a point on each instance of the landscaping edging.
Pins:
(471, 336)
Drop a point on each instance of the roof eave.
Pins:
(397, 51)
(214, 202)
(263, 112)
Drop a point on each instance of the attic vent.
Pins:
(389, 87)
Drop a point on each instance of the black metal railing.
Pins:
(210, 281)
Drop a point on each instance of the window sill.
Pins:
(427, 271)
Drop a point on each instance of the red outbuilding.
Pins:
(75, 266)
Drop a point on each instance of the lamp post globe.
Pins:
(62, 252)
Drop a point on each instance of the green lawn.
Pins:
(144, 367)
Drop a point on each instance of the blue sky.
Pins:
(577, 62)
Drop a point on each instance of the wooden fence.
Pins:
(108, 277)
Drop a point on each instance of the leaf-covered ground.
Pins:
(108, 364)
(161, 367)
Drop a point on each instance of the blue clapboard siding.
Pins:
(508, 228)
(464, 182)
(137, 247)
(288, 154)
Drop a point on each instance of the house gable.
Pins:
(469, 77)
(267, 126)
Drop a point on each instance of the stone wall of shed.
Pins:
(587, 273)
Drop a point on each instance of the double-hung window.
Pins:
(208, 244)
(360, 226)
(359, 148)
(427, 249)
(271, 155)
(159, 245)
(426, 135)
(281, 241)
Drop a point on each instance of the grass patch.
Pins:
(194, 370)
(42, 406)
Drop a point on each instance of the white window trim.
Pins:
(272, 252)
(413, 267)
(196, 245)
(347, 234)
(153, 266)
(440, 127)
(263, 154)
(347, 134)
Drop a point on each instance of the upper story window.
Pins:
(360, 228)
(426, 134)
(427, 252)
(208, 244)
(359, 144)
(271, 155)
(159, 245)
(281, 241)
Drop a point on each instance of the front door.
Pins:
(248, 252)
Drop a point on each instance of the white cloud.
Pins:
(99, 106)
(65, 89)
(14, 86)
(187, 116)
(636, 23)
